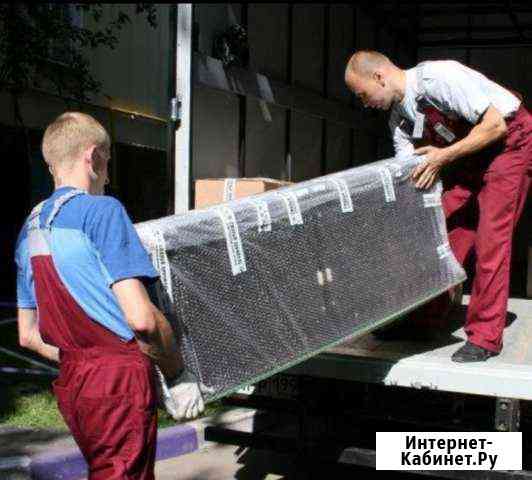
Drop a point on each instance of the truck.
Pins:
(331, 406)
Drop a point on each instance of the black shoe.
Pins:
(472, 353)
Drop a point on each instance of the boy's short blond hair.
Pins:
(69, 135)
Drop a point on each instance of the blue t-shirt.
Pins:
(93, 245)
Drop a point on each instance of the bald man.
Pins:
(477, 136)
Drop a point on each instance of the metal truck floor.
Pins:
(428, 364)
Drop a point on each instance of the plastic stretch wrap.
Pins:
(259, 284)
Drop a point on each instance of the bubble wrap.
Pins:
(257, 285)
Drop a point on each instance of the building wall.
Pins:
(133, 106)
(135, 74)
(135, 82)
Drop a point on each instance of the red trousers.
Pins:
(107, 399)
(482, 212)
(483, 200)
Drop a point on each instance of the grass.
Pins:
(32, 404)
(24, 406)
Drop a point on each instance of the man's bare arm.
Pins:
(491, 128)
(152, 330)
(30, 337)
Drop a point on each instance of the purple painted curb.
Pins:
(176, 441)
(70, 464)
(64, 465)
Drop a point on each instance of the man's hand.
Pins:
(428, 172)
(181, 397)
(491, 128)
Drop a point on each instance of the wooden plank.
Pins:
(384, 148)
(365, 30)
(340, 49)
(403, 59)
(308, 46)
(338, 156)
(306, 133)
(212, 19)
(460, 55)
(140, 173)
(388, 23)
(208, 72)
(338, 140)
(383, 136)
(364, 148)
(214, 134)
(265, 129)
(305, 146)
(267, 34)
(386, 42)
(482, 43)
(265, 141)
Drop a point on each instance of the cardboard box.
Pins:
(212, 191)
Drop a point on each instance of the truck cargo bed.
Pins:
(427, 364)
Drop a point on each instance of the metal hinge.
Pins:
(175, 109)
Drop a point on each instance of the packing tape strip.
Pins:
(229, 189)
(292, 207)
(346, 203)
(387, 183)
(264, 219)
(232, 238)
(432, 200)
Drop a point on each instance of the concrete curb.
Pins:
(69, 464)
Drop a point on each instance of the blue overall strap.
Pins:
(59, 203)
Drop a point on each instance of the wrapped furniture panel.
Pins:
(256, 285)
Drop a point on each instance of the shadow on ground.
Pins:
(15, 441)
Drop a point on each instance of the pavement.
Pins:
(226, 462)
(53, 455)
(222, 462)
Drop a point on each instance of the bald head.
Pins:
(365, 62)
(374, 79)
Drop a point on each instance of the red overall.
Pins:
(483, 199)
(105, 388)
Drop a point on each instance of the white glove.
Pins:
(182, 397)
